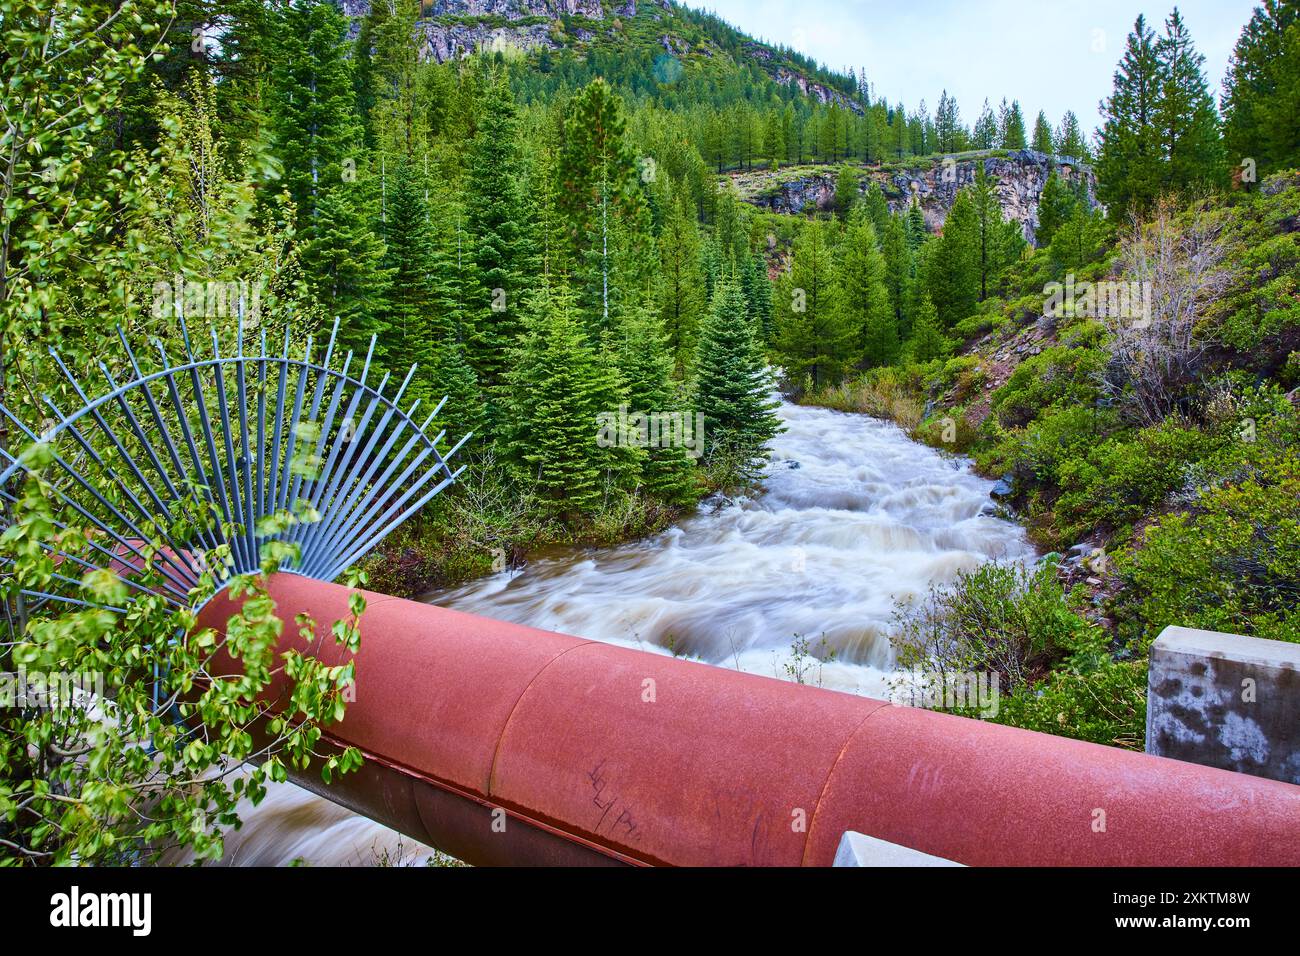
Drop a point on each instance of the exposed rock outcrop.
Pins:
(786, 76)
(456, 28)
(1018, 177)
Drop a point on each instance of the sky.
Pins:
(1054, 55)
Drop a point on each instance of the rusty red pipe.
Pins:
(593, 753)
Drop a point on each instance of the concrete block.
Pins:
(858, 849)
(1225, 701)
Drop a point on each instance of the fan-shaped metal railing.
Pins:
(211, 455)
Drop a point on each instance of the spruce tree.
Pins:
(498, 217)
(917, 230)
(319, 136)
(813, 339)
(681, 285)
(409, 247)
(1012, 126)
(899, 272)
(315, 130)
(555, 394)
(667, 470)
(343, 258)
(877, 207)
(985, 134)
(1129, 162)
(948, 131)
(927, 341)
(395, 121)
(1261, 100)
(1055, 206)
(864, 294)
(953, 270)
(453, 379)
(757, 288)
(733, 387)
(846, 190)
(998, 242)
(1043, 134)
(598, 182)
(1185, 117)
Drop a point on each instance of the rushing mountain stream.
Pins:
(853, 516)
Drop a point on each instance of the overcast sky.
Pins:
(1050, 54)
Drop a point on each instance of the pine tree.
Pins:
(555, 395)
(646, 365)
(927, 341)
(864, 294)
(899, 272)
(498, 216)
(409, 248)
(1043, 134)
(732, 386)
(1055, 206)
(1012, 126)
(1261, 101)
(812, 337)
(985, 135)
(1070, 142)
(1129, 163)
(953, 270)
(681, 285)
(598, 182)
(846, 190)
(1185, 117)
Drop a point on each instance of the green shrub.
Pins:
(1261, 311)
(1001, 618)
(1056, 376)
(1062, 435)
(1123, 478)
(1106, 705)
(1232, 564)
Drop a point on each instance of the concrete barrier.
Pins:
(858, 849)
(1225, 701)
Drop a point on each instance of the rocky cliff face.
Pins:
(1019, 178)
(456, 28)
(452, 29)
(786, 77)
